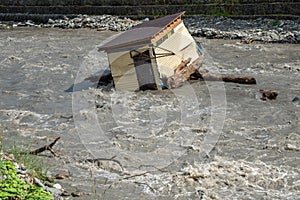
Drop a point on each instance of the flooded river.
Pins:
(206, 140)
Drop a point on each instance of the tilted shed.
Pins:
(145, 56)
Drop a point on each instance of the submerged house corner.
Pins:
(144, 57)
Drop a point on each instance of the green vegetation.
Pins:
(275, 22)
(13, 188)
(2, 136)
(33, 163)
(220, 11)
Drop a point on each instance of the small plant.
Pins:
(220, 11)
(275, 22)
(2, 137)
(13, 188)
(33, 163)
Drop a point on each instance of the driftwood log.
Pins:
(47, 147)
(185, 72)
(232, 79)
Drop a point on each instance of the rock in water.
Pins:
(296, 100)
(268, 94)
(57, 186)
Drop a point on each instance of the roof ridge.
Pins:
(154, 23)
(149, 30)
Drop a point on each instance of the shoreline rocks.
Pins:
(101, 23)
(259, 29)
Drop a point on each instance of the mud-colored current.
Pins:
(207, 140)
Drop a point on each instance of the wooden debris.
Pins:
(61, 176)
(135, 175)
(47, 147)
(96, 160)
(184, 69)
(247, 41)
(185, 72)
(239, 79)
(65, 194)
(232, 79)
(77, 194)
(176, 81)
(268, 94)
(8, 157)
(182, 74)
(65, 117)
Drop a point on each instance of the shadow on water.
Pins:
(103, 81)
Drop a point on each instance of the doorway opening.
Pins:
(144, 70)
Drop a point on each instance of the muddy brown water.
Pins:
(155, 139)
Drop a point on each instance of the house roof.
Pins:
(160, 22)
(140, 34)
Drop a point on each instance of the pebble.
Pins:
(39, 182)
(292, 147)
(54, 191)
(260, 29)
(57, 186)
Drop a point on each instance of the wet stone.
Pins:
(77, 194)
(57, 186)
(296, 100)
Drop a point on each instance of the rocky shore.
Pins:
(259, 29)
(101, 23)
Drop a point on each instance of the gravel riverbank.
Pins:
(248, 30)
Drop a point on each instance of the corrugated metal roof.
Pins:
(140, 34)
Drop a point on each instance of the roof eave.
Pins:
(129, 45)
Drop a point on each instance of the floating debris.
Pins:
(268, 94)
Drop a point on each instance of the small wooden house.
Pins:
(145, 56)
